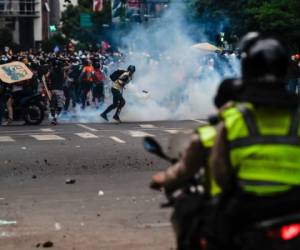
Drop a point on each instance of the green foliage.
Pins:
(276, 17)
(55, 40)
(71, 21)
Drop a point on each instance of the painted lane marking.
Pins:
(19, 131)
(6, 139)
(117, 139)
(155, 225)
(6, 222)
(86, 135)
(147, 126)
(172, 131)
(47, 130)
(87, 127)
(47, 137)
(7, 234)
(200, 121)
(136, 133)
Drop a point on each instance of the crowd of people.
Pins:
(68, 78)
(80, 78)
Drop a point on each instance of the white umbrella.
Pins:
(206, 47)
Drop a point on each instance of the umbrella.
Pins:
(206, 47)
(14, 72)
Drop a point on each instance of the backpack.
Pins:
(88, 73)
(98, 76)
(116, 74)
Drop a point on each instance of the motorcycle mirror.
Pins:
(152, 146)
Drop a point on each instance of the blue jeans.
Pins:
(293, 86)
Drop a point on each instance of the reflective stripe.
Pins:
(207, 135)
(264, 147)
(260, 183)
(249, 119)
(265, 140)
(256, 138)
(267, 190)
(295, 123)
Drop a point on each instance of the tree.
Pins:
(53, 41)
(71, 21)
(280, 18)
(275, 17)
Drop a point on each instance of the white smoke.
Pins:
(178, 79)
(172, 80)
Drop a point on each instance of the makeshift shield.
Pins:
(48, 92)
(14, 72)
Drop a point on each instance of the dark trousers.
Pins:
(2, 108)
(86, 88)
(98, 92)
(118, 102)
(69, 93)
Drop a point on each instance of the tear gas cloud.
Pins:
(180, 81)
(172, 80)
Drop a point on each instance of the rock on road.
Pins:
(83, 186)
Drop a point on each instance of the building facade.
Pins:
(141, 10)
(29, 20)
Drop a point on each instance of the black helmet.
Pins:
(265, 60)
(227, 91)
(131, 69)
(248, 40)
(97, 65)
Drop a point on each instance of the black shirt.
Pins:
(56, 78)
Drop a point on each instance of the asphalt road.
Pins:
(107, 205)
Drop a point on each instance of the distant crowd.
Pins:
(80, 77)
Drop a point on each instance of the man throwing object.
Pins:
(120, 78)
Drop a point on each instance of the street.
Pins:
(83, 186)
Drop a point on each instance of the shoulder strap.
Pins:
(255, 137)
(295, 122)
(249, 119)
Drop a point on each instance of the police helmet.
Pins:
(265, 60)
(97, 65)
(248, 40)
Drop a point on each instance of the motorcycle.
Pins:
(28, 107)
(190, 226)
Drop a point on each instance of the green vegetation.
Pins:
(280, 18)
(71, 21)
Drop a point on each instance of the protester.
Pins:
(119, 82)
(80, 82)
(9, 104)
(2, 100)
(98, 88)
(294, 75)
(69, 89)
(56, 78)
(87, 80)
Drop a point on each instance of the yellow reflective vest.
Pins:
(207, 134)
(264, 147)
